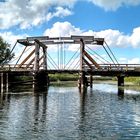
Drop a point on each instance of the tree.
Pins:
(5, 54)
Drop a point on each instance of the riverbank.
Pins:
(71, 79)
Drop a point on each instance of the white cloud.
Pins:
(28, 13)
(135, 37)
(11, 38)
(114, 38)
(62, 29)
(124, 60)
(134, 61)
(32, 13)
(60, 12)
(114, 4)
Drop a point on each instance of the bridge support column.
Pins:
(40, 81)
(4, 82)
(121, 92)
(120, 81)
(36, 63)
(40, 77)
(91, 81)
(44, 58)
(83, 79)
(7, 82)
(120, 86)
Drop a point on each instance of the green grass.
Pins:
(135, 80)
(63, 77)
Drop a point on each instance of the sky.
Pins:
(118, 21)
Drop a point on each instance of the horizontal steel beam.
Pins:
(29, 41)
(38, 38)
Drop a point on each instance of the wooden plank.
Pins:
(30, 62)
(88, 63)
(91, 59)
(26, 58)
(41, 65)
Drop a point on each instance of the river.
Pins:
(63, 113)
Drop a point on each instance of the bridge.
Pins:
(44, 55)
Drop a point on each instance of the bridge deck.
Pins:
(104, 70)
(96, 72)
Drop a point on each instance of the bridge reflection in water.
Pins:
(65, 113)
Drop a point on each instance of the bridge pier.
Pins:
(40, 77)
(40, 81)
(120, 81)
(4, 82)
(83, 79)
(120, 86)
(121, 92)
(83, 83)
(91, 81)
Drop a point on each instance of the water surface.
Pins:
(63, 113)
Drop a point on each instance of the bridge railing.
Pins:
(103, 67)
(13, 67)
(117, 67)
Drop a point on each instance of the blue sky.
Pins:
(118, 21)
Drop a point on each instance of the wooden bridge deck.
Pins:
(103, 71)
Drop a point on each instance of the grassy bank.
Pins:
(134, 80)
(74, 77)
(63, 77)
